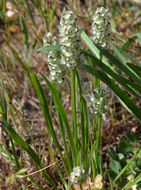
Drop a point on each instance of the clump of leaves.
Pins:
(126, 148)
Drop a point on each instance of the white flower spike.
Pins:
(70, 40)
(56, 70)
(99, 101)
(101, 27)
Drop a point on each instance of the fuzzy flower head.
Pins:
(101, 27)
(56, 70)
(99, 101)
(77, 176)
(69, 34)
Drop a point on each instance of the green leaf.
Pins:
(132, 137)
(37, 3)
(85, 129)
(115, 166)
(121, 156)
(125, 100)
(50, 48)
(135, 68)
(63, 114)
(3, 108)
(23, 66)
(126, 146)
(62, 130)
(112, 174)
(112, 153)
(24, 30)
(123, 67)
(45, 109)
(57, 166)
(138, 162)
(92, 47)
(123, 54)
(7, 154)
(56, 63)
(96, 50)
(36, 183)
(129, 42)
(19, 141)
(127, 84)
(127, 165)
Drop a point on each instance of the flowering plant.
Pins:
(101, 27)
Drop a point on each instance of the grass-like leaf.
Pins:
(135, 68)
(123, 67)
(19, 141)
(62, 130)
(125, 100)
(92, 47)
(50, 48)
(45, 110)
(129, 42)
(7, 154)
(120, 52)
(127, 84)
(64, 117)
(23, 66)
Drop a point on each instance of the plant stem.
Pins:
(96, 80)
(105, 3)
(97, 128)
(73, 102)
(81, 187)
(98, 136)
(30, 13)
(71, 2)
(92, 159)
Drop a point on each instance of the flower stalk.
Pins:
(73, 102)
(69, 33)
(101, 37)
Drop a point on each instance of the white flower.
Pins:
(77, 176)
(56, 70)
(101, 27)
(69, 34)
(10, 13)
(99, 101)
